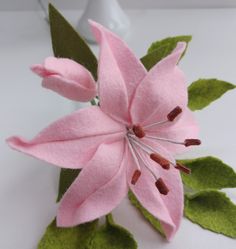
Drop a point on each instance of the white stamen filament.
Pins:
(140, 156)
(133, 153)
(165, 140)
(157, 123)
(146, 147)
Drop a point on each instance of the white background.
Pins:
(31, 4)
(28, 187)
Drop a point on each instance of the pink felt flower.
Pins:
(67, 78)
(128, 142)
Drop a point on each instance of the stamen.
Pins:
(189, 142)
(140, 157)
(146, 147)
(135, 177)
(133, 153)
(165, 140)
(165, 164)
(141, 145)
(154, 124)
(174, 113)
(183, 168)
(138, 131)
(161, 186)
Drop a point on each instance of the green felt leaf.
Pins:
(204, 91)
(160, 49)
(67, 238)
(67, 176)
(112, 236)
(212, 210)
(67, 43)
(208, 173)
(149, 217)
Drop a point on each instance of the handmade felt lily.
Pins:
(127, 142)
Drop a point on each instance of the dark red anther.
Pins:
(174, 113)
(189, 142)
(135, 177)
(165, 164)
(138, 131)
(183, 168)
(161, 186)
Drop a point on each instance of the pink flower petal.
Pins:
(168, 209)
(71, 141)
(119, 73)
(67, 78)
(185, 127)
(68, 88)
(161, 90)
(98, 189)
(41, 71)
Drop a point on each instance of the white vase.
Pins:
(106, 12)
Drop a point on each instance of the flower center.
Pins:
(142, 152)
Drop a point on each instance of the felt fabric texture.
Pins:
(168, 209)
(205, 91)
(153, 220)
(88, 236)
(118, 68)
(67, 176)
(67, 43)
(212, 210)
(112, 236)
(167, 45)
(185, 126)
(102, 185)
(68, 238)
(71, 141)
(67, 78)
(165, 86)
(96, 137)
(208, 173)
(160, 49)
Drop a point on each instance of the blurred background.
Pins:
(68, 4)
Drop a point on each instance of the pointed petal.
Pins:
(67, 78)
(168, 209)
(185, 127)
(163, 89)
(71, 141)
(119, 73)
(98, 189)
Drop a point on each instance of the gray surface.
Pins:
(69, 4)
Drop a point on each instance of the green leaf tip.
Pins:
(160, 49)
(212, 210)
(208, 173)
(168, 44)
(204, 91)
(149, 217)
(67, 43)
